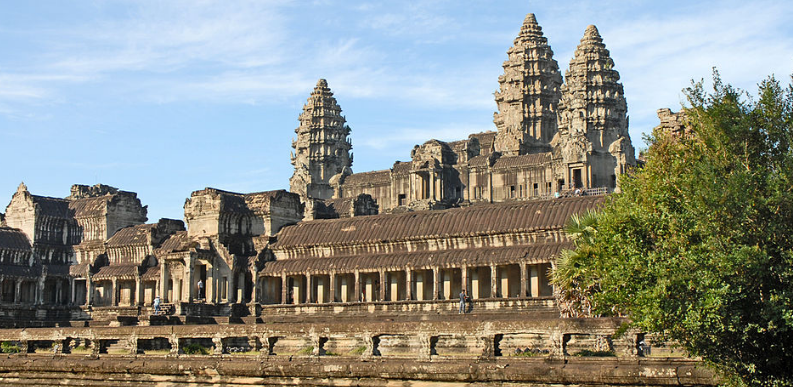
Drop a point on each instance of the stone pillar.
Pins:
(255, 296)
(218, 341)
(432, 185)
(464, 276)
(493, 281)
(344, 287)
(436, 280)
(89, 291)
(409, 284)
(383, 286)
(58, 291)
(174, 341)
(191, 282)
(357, 286)
(18, 291)
(72, 290)
(163, 294)
(523, 280)
(332, 285)
(138, 292)
(114, 295)
(40, 290)
(309, 289)
(284, 290)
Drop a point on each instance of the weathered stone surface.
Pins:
(322, 149)
(528, 95)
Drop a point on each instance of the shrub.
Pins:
(195, 349)
(8, 347)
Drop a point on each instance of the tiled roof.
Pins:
(486, 140)
(374, 177)
(79, 270)
(117, 271)
(133, 235)
(20, 271)
(90, 207)
(523, 160)
(58, 208)
(13, 239)
(152, 273)
(177, 242)
(478, 161)
(536, 253)
(475, 220)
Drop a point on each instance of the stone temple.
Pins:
(342, 252)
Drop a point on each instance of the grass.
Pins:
(306, 351)
(8, 347)
(358, 351)
(195, 349)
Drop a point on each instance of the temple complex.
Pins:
(361, 265)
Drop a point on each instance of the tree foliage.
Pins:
(698, 245)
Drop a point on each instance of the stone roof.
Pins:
(54, 207)
(116, 271)
(475, 220)
(152, 273)
(177, 242)
(339, 207)
(374, 177)
(90, 207)
(20, 271)
(523, 160)
(243, 203)
(13, 239)
(134, 235)
(536, 253)
(486, 141)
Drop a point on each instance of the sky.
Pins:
(164, 98)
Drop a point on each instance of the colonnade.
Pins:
(416, 284)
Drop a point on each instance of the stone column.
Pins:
(58, 291)
(163, 294)
(138, 292)
(40, 290)
(409, 284)
(18, 291)
(357, 286)
(523, 280)
(383, 286)
(255, 296)
(332, 285)
(309, 289)
(284, 290)
(72, 291)
(114, 296)
(432, 185)
(493, 281)
(436, 282)
(464, 279)
(89, 291)
(191, 283)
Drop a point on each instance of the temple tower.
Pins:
(528, 95)
(593, 122)
(322, 148)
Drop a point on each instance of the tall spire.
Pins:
(593, 111)
(528, 94)
(322, 148)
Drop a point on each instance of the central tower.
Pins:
(322, 148)
(528, 95)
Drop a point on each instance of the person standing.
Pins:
(156, 304)
(200, 289)
(463, 298)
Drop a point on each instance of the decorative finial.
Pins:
(22, 187)
(322, 83)
(592, 32)
(530, 19)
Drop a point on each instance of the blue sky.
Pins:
(166, 97)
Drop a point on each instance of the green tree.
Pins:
(698, 246)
